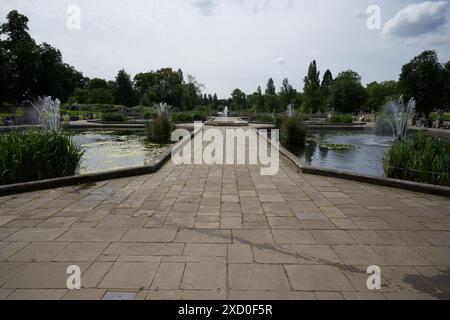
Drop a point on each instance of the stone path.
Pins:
(225, 232)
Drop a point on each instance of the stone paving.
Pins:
(225, 232)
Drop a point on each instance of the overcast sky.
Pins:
(228, 44)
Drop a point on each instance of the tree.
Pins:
(379, 93)
(3, 75)
(124, 92)
(164, 85)
(238, 100)
(271, 90)
(325, 88)
(22, 57)
(312, 97)
(447, 82)
(192, 94)
(287, 94)
(347, 93)
(215, 102)
(260, 100)
(423, 79)
(270, 97)
(49, 72)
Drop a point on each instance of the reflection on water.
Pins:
(111, 150)
(365, 158)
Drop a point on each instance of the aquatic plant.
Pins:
(159, 130)
(293, 131)
(37, 155)
(336, 147)
(419, 158)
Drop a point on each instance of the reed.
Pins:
(420, 158)
(37, 155)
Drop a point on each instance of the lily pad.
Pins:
(336, 147)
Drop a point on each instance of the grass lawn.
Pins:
(446, 116)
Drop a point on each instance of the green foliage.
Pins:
(287, 95)
(238, 100)
(182, 117)
(424, 79)
(380, 93)
(124, 93)
(166, 86)
(421, 158)
(265, 118)
(434, 116)
(347, 93)
(114, 117)
(37, 155)
(293, 131)
(33, 70)
(341, 118)
(159, 130)
(312, 96)
(336, 147)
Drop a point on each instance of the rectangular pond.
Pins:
(112, 150)
(364, 154)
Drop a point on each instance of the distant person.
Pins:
(7, 121)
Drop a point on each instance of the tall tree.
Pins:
(22, 57)
(270, 90)
(423, 79)
(215, 101)
(447, 82)
(238, 100)
(347, 93)
(325, 89)
(312, 97)
(379, 93)
(270, 97)
(287, 94)
(3, 75)
(260, 100)
(124, 92)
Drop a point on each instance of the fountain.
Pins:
(289, 111)
(396, 116)
(48, 113)
(163, 109)
(225, 121)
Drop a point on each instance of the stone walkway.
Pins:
(225, 232)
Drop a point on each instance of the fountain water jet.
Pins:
(397, 116)
(289, 111)
(225, 112)
(48, 113)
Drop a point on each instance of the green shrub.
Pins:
(114, 117)
(182, 117)
(37, 155)
(200, 116)
(265, 118)
(341, 118)
(159, 130)
(421, 158)
(293, 131)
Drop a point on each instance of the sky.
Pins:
(228, 44)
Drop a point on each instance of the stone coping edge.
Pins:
(155, 165)
(380, 181)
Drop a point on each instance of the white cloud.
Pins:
(279, 61)
(417, 19)
(206, 7)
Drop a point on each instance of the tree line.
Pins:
(28, 70)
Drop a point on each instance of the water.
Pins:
(225, 112)
(112, 150)
(365, 158)
(48, 113)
